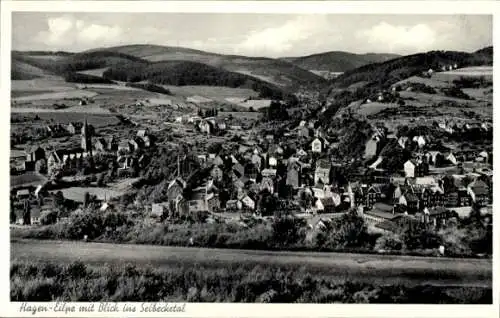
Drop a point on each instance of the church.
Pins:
(70, 158)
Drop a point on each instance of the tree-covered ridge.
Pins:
(182, 73)
(384, 74)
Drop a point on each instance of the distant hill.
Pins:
(62, 64)
(181, 73)
(387, 73)
(365, 81)
(120, 66)
(274, 71)
(337, 61)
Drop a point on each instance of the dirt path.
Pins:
(382, 268)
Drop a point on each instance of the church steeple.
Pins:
(86, 142)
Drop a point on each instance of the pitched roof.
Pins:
(410, 197)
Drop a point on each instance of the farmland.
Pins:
(368, 268)
(77, 194)
(97, 117)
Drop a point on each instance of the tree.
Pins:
(288, 231)
(13, 216)
(41, 166)
(27, 213)
(86, 199)
(345, 232)
(419, 236)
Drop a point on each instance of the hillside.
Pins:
(274, 71)
(384, 74)
(182, 73)
(338, 61)
(63, 64)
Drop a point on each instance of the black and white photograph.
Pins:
(217, 157)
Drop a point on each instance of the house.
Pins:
(451, 158)
(218, 161)
(293, 175)
(268, 173)
(251, 171)
(142, 133)
(23, 194)
(75, 128)
(304, 132)
(272, 160)
(57, 130)
(420, 140)
(267, 183)
(175, 188)
(257, 161)
(436, 216)
(322, 171)
(403, 141)
(415, 168)
(479, 192)
(239, 169)
(34, 154)
(159, 209)
(317, 145)
(62, 158)
(371, 147)
(206, 127)
(409, 201)
(325, 205)
(124, 146)
(125, 162)
(248, 202)
(301, 153)
(373, 195)
(217, 173)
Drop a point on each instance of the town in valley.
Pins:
(379, 154)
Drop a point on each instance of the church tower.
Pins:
(86, 137)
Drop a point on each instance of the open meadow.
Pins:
(382, 269)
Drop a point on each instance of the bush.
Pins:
(389, 242)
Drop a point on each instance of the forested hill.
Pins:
(190, 73)
(387, 73)
(338, 61)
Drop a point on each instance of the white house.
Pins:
(317, 145)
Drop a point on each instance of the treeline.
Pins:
(240, 283)
(473, 82)
(150, 87)
(347, 233)
(76, 62)
(85, 79)
(181, 73)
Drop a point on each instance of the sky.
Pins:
(270, 35)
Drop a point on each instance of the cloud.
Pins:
(281, 39)
(67, 31)
(397, 38)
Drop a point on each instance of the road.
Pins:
(382, 268)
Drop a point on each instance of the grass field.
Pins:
(374, 108)
(95, 72)
(374, 268)
(78, 193)
(65, 117)
(47, 83)
(27, 179)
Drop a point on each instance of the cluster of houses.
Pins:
(309, 181)
(53, 161)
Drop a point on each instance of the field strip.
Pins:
(383, 268)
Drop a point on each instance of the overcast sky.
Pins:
(269, 35)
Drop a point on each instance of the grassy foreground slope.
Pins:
(78, 281)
